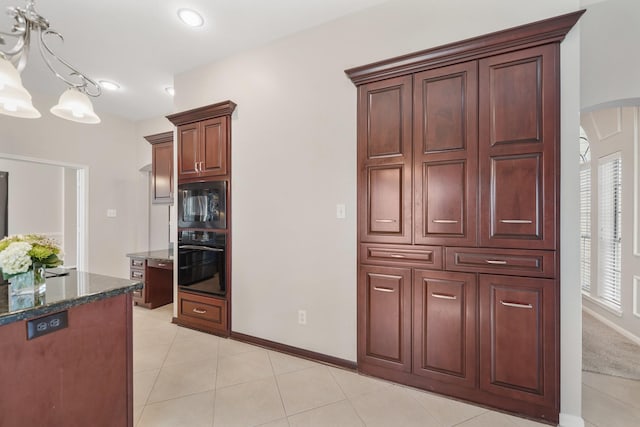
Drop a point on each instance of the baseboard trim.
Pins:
(567, 420)
(295, 351)
(612, 325)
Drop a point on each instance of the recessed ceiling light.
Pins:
(170, 90)
(190, 17)
(109, 85)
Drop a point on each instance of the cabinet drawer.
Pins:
(136, 274)
(205, 312)
(502, 261)
(136, 263)
(160, 263)
(423, 256)
(138, 292)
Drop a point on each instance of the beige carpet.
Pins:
(605, 351)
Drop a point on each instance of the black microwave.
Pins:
(202, 205)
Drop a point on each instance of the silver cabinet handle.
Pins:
(496, 262)
(444, 296)
(382, 289)
(397, 256)
(386, 220)
(195, 310)
(162, 264)
(196, 166)
(201, 165)
(516, 221)
(445, 221)
(200, 248)
(515, 304)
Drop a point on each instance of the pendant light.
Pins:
(15, 100)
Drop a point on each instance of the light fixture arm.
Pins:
(28, 20)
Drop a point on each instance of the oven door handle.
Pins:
(201, 248)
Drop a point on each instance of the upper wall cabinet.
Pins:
(162, 167)
(203, 141)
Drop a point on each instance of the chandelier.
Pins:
(15, 100)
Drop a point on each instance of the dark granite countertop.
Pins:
(162, 254)
(63, 292)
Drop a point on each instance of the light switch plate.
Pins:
(341, 211)
(111, 213)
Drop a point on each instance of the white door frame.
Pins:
(82, 203)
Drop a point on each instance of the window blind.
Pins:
(609, 225)
(585, 228)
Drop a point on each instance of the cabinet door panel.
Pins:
(445, 143)
(162, 161)
(385, 120)
(188, 150)
(384, 317)
(213, 152)
(445, 326)
(516, 187)
(386, 202)
(518, 338)
(519, 149)
(384, 156)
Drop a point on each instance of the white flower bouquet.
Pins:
(19, 253)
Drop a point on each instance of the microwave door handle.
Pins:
(200, 248)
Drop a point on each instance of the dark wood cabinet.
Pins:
(161, 167)
(204, 154)
(157, 281)
(204, 138)
(458, 194)
(385, 148)
(385, 317)
(518, 171)
(444, 326)
(202, 312)
(518, 335)
(445, 122)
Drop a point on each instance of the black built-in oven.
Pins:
(202, 262)
(202, 205)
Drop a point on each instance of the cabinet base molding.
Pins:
(519, 408)
(294, 351)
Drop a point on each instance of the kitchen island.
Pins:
(67, 359)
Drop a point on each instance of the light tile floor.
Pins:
(187, 378)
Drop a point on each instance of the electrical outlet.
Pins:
(111, 213)
(302, 317)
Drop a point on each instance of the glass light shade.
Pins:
(16, 102)
(9, 76)
(75, 106)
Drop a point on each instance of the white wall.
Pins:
(36, 202)
(294, 158)
(108, 149)
(610, 31)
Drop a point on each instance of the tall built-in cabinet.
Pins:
(204, 154)
(458, 217)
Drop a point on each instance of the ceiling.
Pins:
(141, 44)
